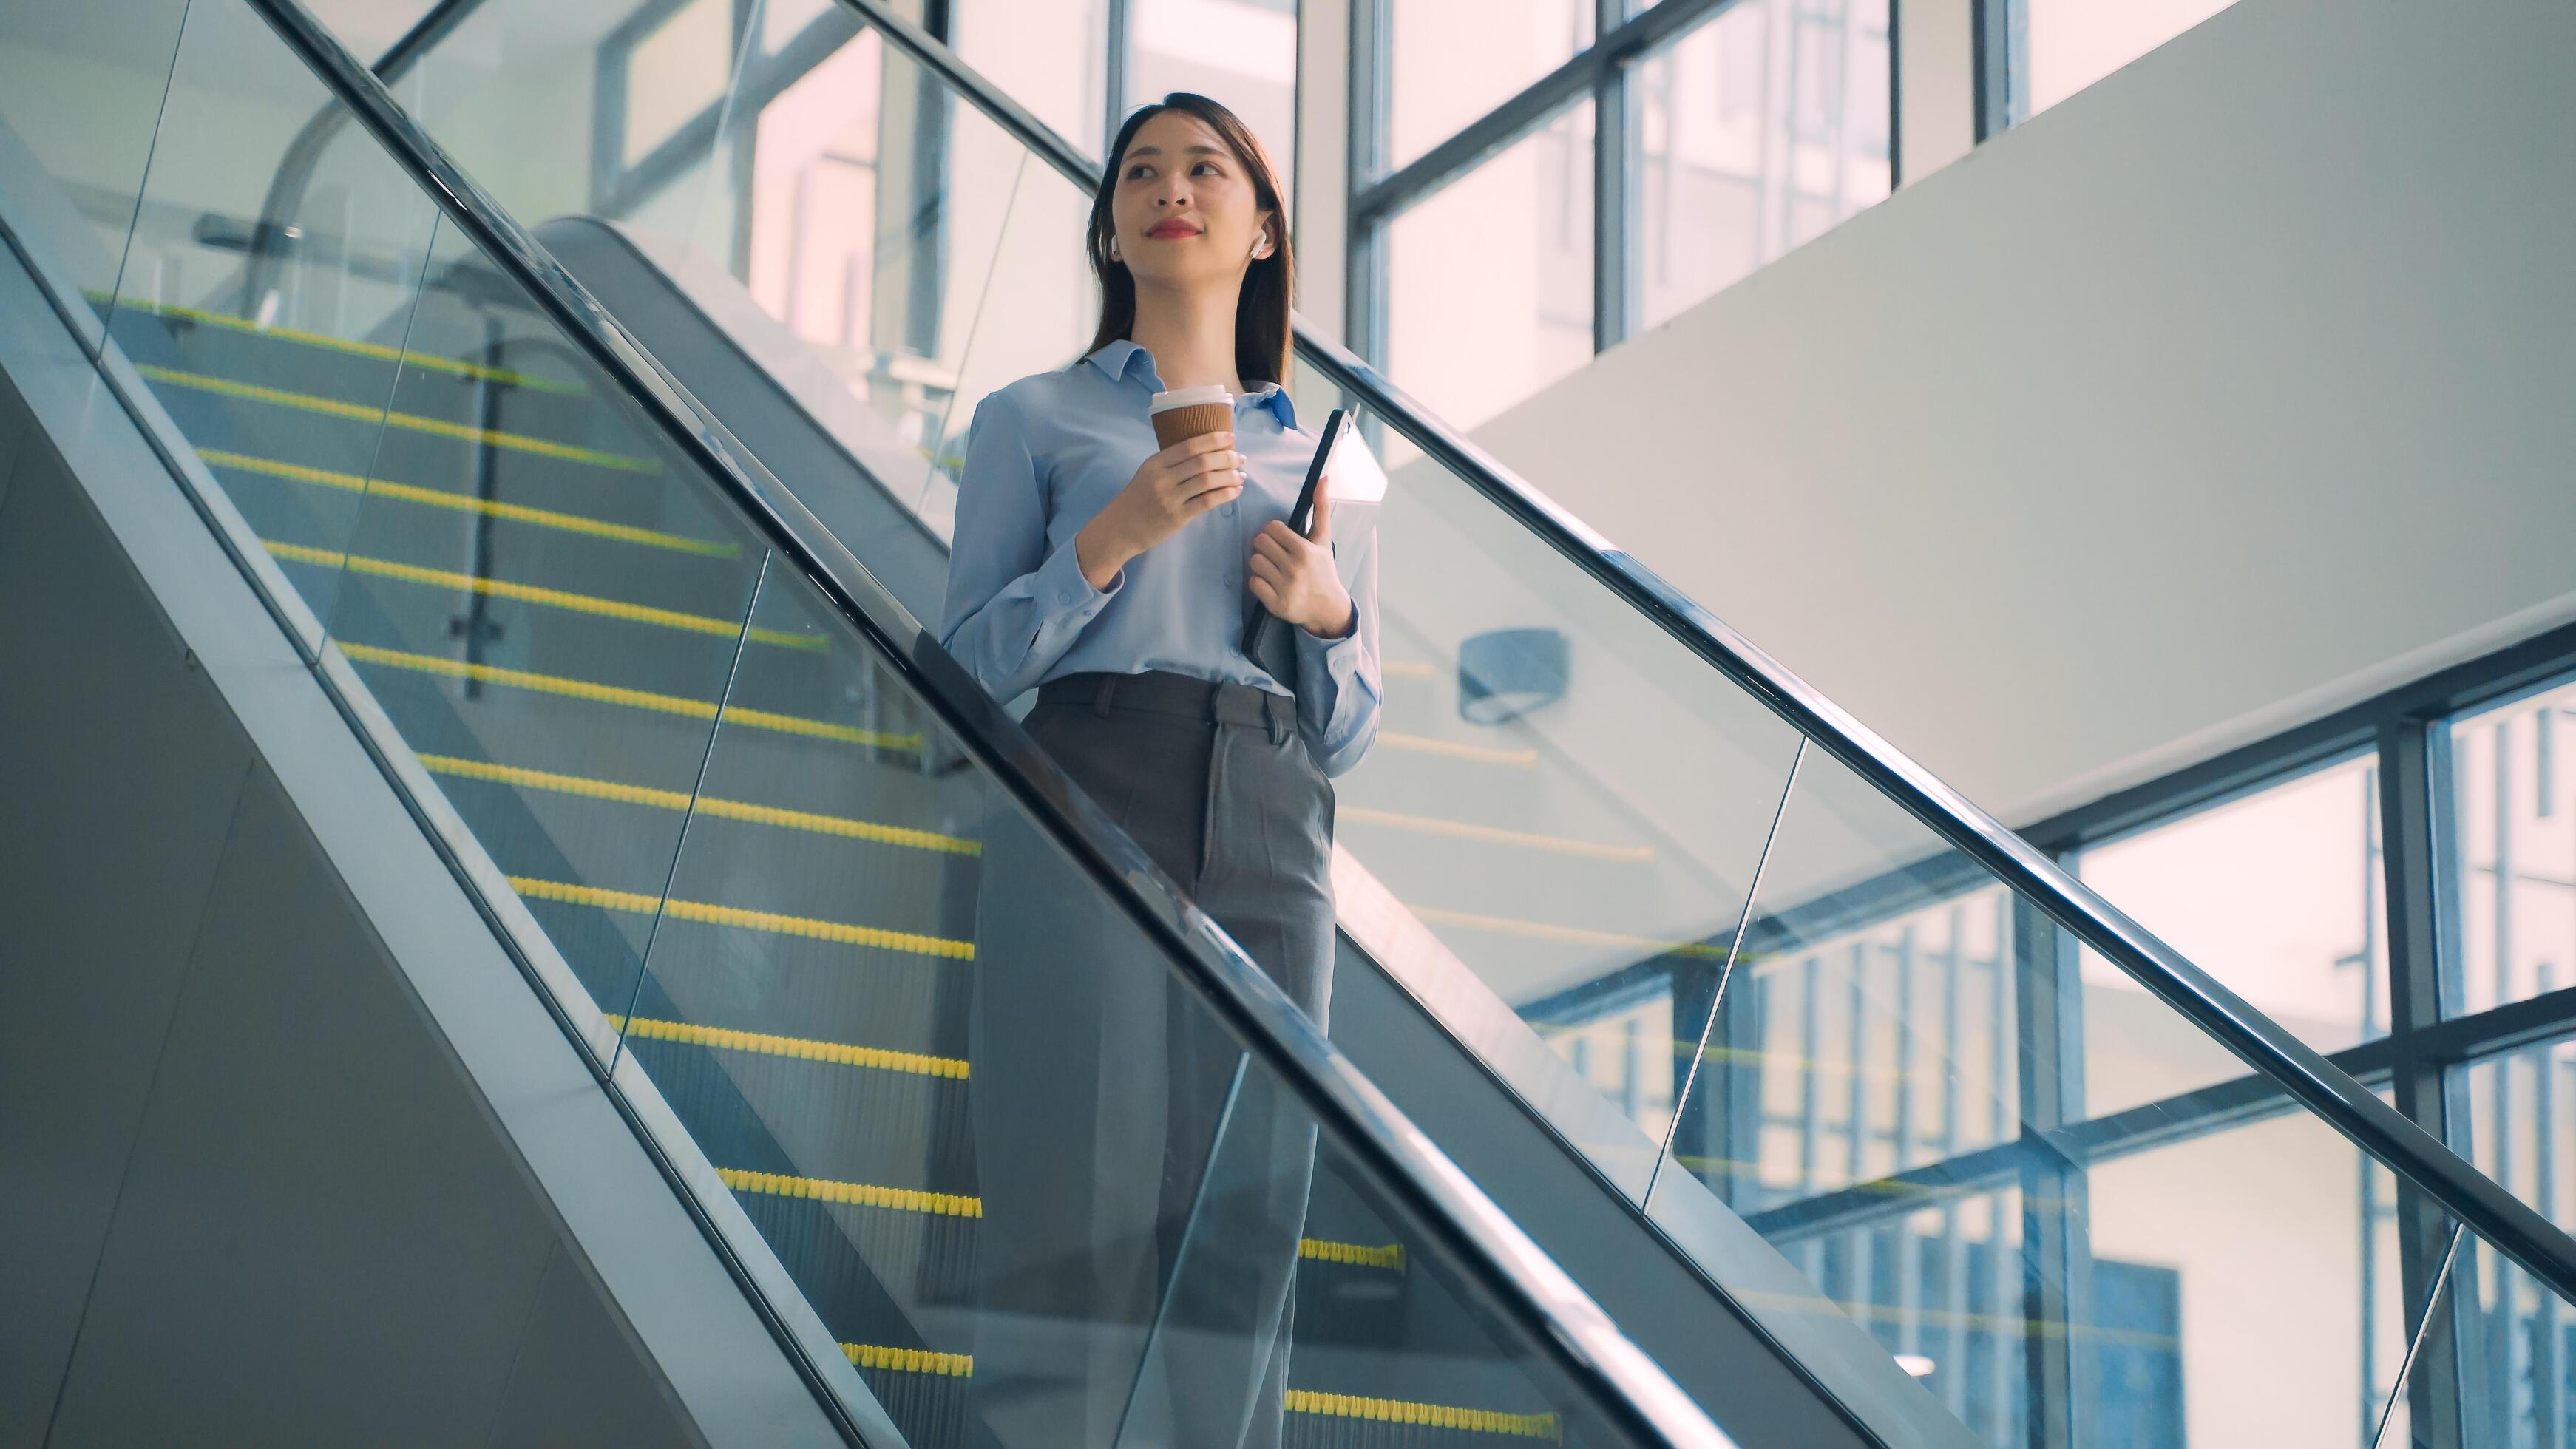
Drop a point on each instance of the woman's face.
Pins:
(1183, 212)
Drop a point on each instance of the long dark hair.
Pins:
(1261, 311)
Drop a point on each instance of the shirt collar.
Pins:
(1121, 358)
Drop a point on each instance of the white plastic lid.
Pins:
(1191, 397)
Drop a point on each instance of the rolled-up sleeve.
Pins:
(1339, 683)
(1014, 605)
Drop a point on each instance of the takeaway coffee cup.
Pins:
(1189, 411)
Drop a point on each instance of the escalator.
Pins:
(634, 602)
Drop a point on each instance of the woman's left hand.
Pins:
(1293, 576)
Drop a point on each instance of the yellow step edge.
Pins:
(1430, 1416)
(802, 1048)
(1481, 754)
(1405, 669)
(854, 1194)
(643, 699)
(706, 805)
(1296, 1401)
(467, 503)
(1571, 935)
(1358, 1255)
(408, 422)
(354, 348)
(776, 923)
(909, 1360)
(1492, 835)
(564, 599)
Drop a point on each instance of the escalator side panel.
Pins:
(333, 1156)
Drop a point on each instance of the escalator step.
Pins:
(382, 488)
(407, 422)
(811, 927)
(803, 1049)
(198, 316)
(631, 698)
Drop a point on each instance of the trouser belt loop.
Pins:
(1281, 711)
(1100, 700)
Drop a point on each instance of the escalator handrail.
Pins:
(2511, 1225)
(1504, 1266)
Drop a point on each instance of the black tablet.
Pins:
(1301, 517)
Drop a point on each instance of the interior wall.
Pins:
(2227, 392)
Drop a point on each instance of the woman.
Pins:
(1142, 1202)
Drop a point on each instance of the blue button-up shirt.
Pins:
(1049, 451)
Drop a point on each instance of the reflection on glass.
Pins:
(1450, 61)
(1524, 804)
(1489, 279)
(81, 89)
(1844, 1055)
(1242, 52)
(2513, 797)
(2275, 894)
(2517, 1339)
(2232, 1278)
(2070, 44)
(678, 68)
(1894, 1092)
(1942, 1291)
(1760, 130)
(1868, 1025)
(816, 151)
(547, 604)
(276, 348)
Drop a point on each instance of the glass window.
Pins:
(814, 228)
(2522, 1124)
(1051, 56)
(1489, 280)
(1758, 131)
(2277, 895)
(1451, 61)
(781, 21)
(1241, 52)
(2070, 44)
(678, 70)
(2517, 1338)
(2514, 872)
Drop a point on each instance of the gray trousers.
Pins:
(1144, 1187)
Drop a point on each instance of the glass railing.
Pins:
(762, 846)
(1787, 976)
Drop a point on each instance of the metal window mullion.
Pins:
(2056, 1236)
(1363, 236)
(2414, 839)
(1990, 42)
(1613, 149)
(1531, 109)
(1113, 87)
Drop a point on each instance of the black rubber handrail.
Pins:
(1505, 1269)
(2508, 1223)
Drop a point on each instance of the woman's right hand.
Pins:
(1169, 489)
